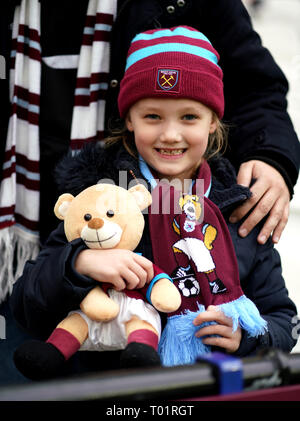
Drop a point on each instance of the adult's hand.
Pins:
(270, 196)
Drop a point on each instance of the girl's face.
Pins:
(171, 135)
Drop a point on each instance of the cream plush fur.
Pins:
(108, 216)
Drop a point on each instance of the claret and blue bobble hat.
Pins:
(177, 62)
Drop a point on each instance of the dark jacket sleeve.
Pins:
(262, 282)
(49, 286)
(255, 90)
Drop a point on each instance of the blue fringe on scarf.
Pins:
(179, 345)
(244, 312)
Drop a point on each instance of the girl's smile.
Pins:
(170, 153)
(171, 135)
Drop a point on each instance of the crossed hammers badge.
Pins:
(167, 79)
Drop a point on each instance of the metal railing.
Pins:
(273, 369)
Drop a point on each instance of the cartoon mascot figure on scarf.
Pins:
(195, 249)
(192, 243)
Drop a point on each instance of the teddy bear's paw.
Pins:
(98, 306)
(165, 296)
(105, 313)
(139, 355)
(38, 360)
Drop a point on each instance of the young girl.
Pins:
(171, 98)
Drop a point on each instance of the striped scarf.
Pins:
(20, 185)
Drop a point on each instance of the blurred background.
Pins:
(278, 24)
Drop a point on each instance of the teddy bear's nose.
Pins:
(96, 223)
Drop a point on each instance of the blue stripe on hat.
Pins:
(171, 47)
(180, 31)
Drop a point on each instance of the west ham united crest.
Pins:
(167, 79)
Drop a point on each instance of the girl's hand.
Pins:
(227, 339)
(121, 268)
(270, 195)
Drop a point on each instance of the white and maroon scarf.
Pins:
(192, 244)
(19, 190)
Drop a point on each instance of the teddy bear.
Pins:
(105, 216)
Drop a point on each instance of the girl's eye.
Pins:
(190, 117)
(152, 116)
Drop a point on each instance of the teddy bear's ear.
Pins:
(62, 205)
(142, 196)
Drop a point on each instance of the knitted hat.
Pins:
(179, 62)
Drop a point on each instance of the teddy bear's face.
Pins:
(103, 216)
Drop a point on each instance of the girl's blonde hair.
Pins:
(217, 141)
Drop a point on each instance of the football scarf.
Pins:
(20, 185)
(191, 242)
